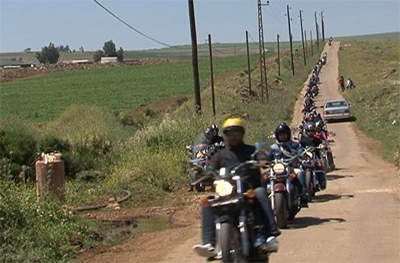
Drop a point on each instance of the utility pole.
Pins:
(302, 38)
(263, 66)
(290, 38)
(312, 50)
(305, 41)
(248, 62)
(323, 26)
(195, 60)
(279, 56)
(316, 29)
(212, 74)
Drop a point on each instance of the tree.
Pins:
(109, 49)
(81, 49)
(48, 54)
(27, 50)
(98, 55)
(120, 55)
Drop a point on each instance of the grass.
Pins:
(376, 99)
(118, 89)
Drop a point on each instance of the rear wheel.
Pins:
(281, 209)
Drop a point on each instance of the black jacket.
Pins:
(230, 157)
(314, 142)
(217, 139)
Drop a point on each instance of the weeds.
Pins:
(376, 98)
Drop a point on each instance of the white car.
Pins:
(337, 109)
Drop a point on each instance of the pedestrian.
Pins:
(341, 82)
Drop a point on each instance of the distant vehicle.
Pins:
(336, 110)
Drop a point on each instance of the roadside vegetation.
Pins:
(375, 68)
(79, 114)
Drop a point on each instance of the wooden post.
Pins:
(212, 74)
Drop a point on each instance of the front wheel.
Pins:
(229, 243)
(310, 185)
(281, 209)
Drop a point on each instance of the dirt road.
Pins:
(356, 219)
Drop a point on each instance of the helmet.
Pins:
(310, 126)
(214, 128)
(233, 124)
(283, 128)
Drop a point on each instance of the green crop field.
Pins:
(117, 88)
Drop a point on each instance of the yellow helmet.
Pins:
(233, 124)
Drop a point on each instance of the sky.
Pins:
(35, 23)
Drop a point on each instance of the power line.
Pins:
(131, 27)
(273, 13)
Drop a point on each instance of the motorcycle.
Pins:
(284, 194)
(309, 164)
(200, 156)
(237, 230)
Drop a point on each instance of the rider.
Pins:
(311, 140)
(324, 135)
(286, 148)
(320, 132)
(234, 153)
(212, 135)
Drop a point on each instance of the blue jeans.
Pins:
(265, 216)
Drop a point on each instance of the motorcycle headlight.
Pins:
(279, 168)
(199, 155)
(223, 188)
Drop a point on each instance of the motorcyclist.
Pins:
(234, 153)
(324, 135)
(309, 140)
(320, 132)
(286, 148)
(212, 135)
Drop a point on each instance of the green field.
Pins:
(117, 88)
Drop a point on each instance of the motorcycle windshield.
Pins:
(199, 144)
(264, 145)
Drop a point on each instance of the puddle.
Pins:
(137, 226)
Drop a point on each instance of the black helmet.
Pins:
(215, 128)
(283, 128)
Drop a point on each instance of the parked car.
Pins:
(337, 109)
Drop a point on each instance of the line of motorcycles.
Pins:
(233, 200)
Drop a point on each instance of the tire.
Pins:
(229, 238)
(281, 209)
(200, 187)
(310, 185)
(330, 161)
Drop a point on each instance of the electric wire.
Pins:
(131, 27)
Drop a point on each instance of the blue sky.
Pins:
(76, 23)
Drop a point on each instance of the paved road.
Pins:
(357, 219)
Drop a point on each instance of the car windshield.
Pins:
(334, 104)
